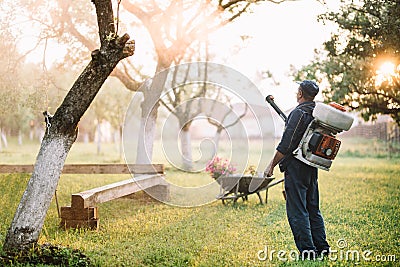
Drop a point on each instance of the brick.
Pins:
(65, 212)
(77, 201)
(72, 213)
(90, 224)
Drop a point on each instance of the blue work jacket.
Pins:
(295, 126)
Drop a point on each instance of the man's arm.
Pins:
(287, 144)
(269, 171)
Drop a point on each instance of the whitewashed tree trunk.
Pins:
(146, 137)
(186, 147)
(1, 144)
(31, 212)
(121, 156)
(29, 217)
(19, 138)
(98, 141)
(216, 139)
(4, 139)
(31, 134)
(149, 115)
(86, 138)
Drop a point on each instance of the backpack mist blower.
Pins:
(318, 147)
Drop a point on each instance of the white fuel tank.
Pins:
(332, 116)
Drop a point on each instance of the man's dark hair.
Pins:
(309, 89)
(306, 96)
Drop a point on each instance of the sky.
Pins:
(280, 35)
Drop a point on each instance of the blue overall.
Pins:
(301, 185)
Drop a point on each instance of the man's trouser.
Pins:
(302, 207)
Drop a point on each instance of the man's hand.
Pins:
(269, 171)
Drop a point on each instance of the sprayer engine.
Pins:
(323, 145)
(319, 145)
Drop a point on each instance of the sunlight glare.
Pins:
(387, 68)
(385, 73)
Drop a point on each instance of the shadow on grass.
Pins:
(45, 254)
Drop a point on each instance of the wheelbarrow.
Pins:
(233, 187)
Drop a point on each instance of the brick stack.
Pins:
(78, 217)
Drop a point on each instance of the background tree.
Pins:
(26, 88)
(180, 24)
(362, 61)
(183, 101)
(224, 118)
(16, 104)
(172, 26)
(31, 212)
(110, 105)
(8, 73)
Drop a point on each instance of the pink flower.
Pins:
(218, 166)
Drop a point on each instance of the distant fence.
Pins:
(385, 131)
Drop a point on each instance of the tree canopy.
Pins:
(361, 61)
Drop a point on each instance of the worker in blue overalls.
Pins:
(301, 180)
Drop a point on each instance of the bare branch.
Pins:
(126, 80)
(167, 107)
(239, 13)
(81, 38)
(238, 118)
(138, 12)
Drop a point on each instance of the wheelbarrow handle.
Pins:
(270, 101)
(276, 182)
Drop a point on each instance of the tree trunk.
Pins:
(216, 138)
(31, 131)
(149, 115)
(186, 147)
(59, 137)
(29, 217)
(1, 144)
(98, 141)
(20, 138)
(4, 138)
(86, 138)
(147, 133)
(120, 147)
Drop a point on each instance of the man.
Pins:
(301, 180)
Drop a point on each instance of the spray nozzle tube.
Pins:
(270, 101)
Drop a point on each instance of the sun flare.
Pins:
(387, 68)
(386, 73)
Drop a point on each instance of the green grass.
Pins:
(360, 202)
(369, 148)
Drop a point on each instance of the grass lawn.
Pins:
(360, 202)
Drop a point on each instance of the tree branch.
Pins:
(239, 13)
(126, 80)
(138, 12)
(167, 107)
(105, 20)
(81, 38)
(86, 87)
(238, 118)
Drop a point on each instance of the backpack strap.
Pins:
(304, 110)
